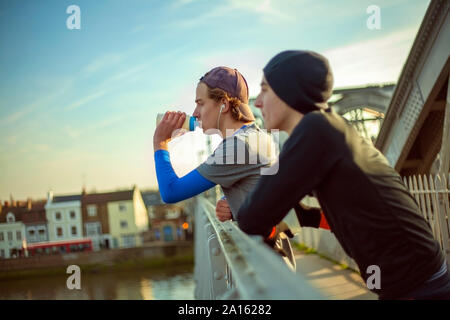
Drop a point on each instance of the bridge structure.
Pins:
(414, 116)
(362, 106)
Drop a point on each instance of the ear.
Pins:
(224, 106)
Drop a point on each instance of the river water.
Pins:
(132, 285)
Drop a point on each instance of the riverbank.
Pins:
(166, 258)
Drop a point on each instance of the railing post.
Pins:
(218, 266)
(441, 193)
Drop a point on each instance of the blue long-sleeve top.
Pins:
(173, 188)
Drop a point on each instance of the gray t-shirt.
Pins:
(238, 162)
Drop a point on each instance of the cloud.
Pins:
(73, 133)
(108, 122)
(41, 147)
(372, 61)
(13, 117)
(130, 71)
(181, 3)
(43, 101)
(85, 100)
(102, 62)
(263, 9)
(375, 60)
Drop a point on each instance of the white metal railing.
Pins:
(432, 194)
(229, 264)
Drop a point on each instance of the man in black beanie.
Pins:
(366, 204)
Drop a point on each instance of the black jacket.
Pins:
(368, 207)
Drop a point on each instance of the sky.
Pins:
(78, 106)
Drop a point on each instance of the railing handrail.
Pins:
(257, 272)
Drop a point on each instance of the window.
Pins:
(59, 232)
(10, 235)
(93, 229)
(19, 235)
(2, 236)
(74, 231)
(172, 214)
(58, 216)
(123, 224)
(31, 233)
(2, 253)
(92, 210)
(41, 233)
(10, 218)
(122, 207)
(128, 241)
(72, 215)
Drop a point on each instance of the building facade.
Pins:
(128, 219)
(35, 221)
(94, 210)
(168, 222)
(64, 218)
(12, 232)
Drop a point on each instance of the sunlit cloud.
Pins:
(13, 117)
(265, 10)
(85, 100)
(87, 130)
(73, 133)
(372, 61)
(103, 62)
(41, 101)
(130, 71)
(41, 147)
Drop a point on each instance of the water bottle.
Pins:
(190, 123)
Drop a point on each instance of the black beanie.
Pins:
(302, 79)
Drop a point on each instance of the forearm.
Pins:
(303, 163)
(171, 187)
(263, 209)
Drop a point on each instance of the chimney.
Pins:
(13, 202)
(6, 204)
(29, 203)
(50, 196)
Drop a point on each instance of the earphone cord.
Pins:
(218, 118)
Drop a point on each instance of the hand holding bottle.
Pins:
(165, 131)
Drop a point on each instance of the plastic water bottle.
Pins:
(190, 123)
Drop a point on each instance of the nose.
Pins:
(196, 113)
(258, 102)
